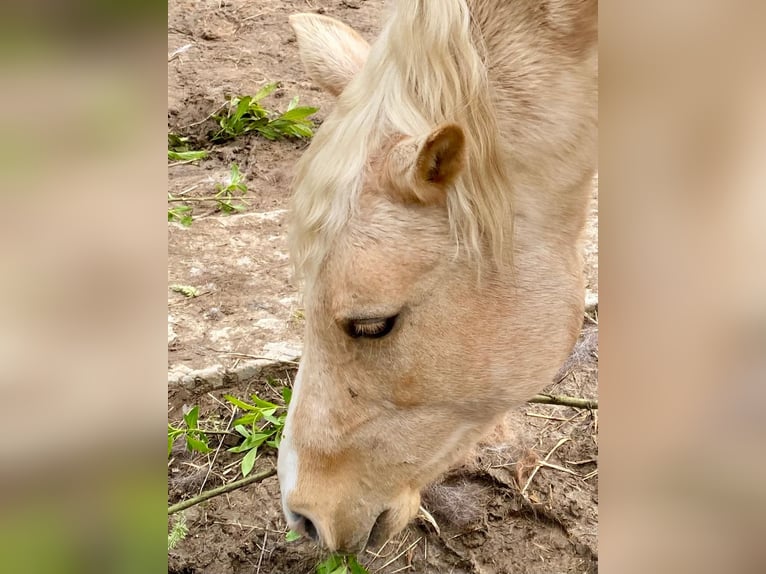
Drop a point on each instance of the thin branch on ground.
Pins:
(218, 450)
(395, 558)
(263, 549)
(203, 120)
(563, 401)
(539, 465)
(183, 199)
(221, 490)
(246, 356)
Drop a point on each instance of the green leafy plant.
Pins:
(177, 142)
(292, 536)
(341, 564)
(230, 189)
(178, 531)
(178, 149)
(259, 425)
(228, 198)
(186, 155)
(245, 114)
(180, 213)
(185, 290)
(196, 439)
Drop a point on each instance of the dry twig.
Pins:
(221, 490)
(563, 401)
(539, 465)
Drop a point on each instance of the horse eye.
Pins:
(370, 328)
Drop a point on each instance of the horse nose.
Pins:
(303, 525)
(344, 542)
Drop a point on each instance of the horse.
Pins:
(435, 227)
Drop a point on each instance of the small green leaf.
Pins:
(171, 439)
(259, 402)
(178, 532)
(238, 403)
(258, 115)
(287, 394)
(177, 142)
(197, 445)
(185, 290)
(186, 155)
(298, 130)
(330, 565)
(355, 567)
(273, 420)
(181, 213)
(292, 536)
(257, 439)
(191, 417)
(249, 461)
(248, 419)
(253, 441)
(295, 114)
(242, 106)
(269, 133)
(266, 90)
(225, 207)
(339, 564)
(234, 174)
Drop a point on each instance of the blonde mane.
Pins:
(425, 69)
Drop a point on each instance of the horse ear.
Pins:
(440, 158)
(422, 170)
(331, 52)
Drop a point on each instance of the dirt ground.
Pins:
(245, 328)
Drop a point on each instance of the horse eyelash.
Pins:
(370, 328)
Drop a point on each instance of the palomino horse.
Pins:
(436, 225)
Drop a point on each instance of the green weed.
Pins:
(228, 198)
(245, 114)
(180, 213)
(239, 116)
(185, 290)
(292, 536)
(178, 531)
(228, 190)
(186, 155)
(259, 425)
(177, 142)
(340, 564)
(196, 439)
(178, 149)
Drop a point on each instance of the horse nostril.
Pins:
(308, 528)
(378, 529)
